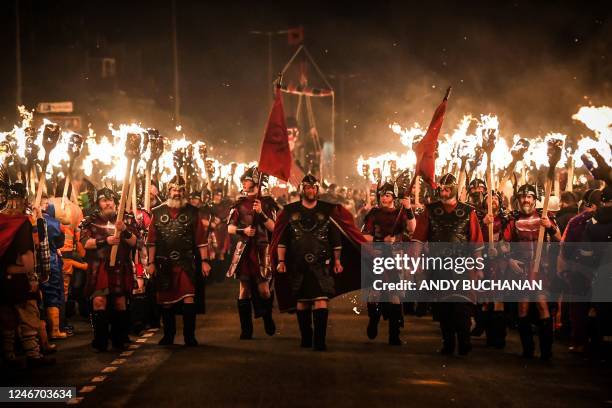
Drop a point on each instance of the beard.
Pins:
(476, 199)
(107, 213)
(527, 208)
(176, 202)
(310, 198)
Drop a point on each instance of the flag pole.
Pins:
(416, 172)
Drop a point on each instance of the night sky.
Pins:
(532, 63)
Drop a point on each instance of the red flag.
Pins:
(426, 149)
(275, 158)
(295, 35)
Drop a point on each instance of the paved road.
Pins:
(356, 372)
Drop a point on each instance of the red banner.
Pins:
(275, 158)
(427, 147)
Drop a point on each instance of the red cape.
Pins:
(9, 225)
(347, 281)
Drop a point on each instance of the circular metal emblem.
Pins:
(174, 255)
(438, 211)
(310, 258)
(182, 218)
(460, 212)
(164, 218)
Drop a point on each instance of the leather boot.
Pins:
(99, 321)
(189, 322)
(119, 329)
(374, 313)
(319, 317)
(526, 334)
(480, 316)
(462, 322)
(498, 323)
(545, 332)
(448, 334)
(269, 325)
(395, 322)
(246, 319)
(304, 318)
(169, 323)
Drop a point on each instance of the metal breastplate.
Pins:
(527, 228)
(449, 227)
(310, 237)
(175, 235)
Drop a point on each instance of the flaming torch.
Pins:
(478, 152)
(211, 171)
(50, 137)
(518, 151)
(203, 151)
(155, 145)
(132, 147)
(179, 160)
(31, 153)
(555, 148)
(232, 188)
(188, 167)
(132, 201)
(464, 150)
(75, 144)
(489, 138)
(569, 185)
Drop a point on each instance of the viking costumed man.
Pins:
(450, 221)
(586, 267)
(19, 313)
(524, 229)
(388, 224)
(210, 222)
(175, 234)
(109, 284)
(315, 250)
(195, 199)
(569, 269)
(221, 207)
(476, 192)
(253, 218)
(493, 319)
(598, 230)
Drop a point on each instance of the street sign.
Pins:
(55, 107)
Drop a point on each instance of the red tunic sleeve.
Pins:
(475, 230)
(152, 232)
(233, 216)
(368, 226)
(201, 233)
